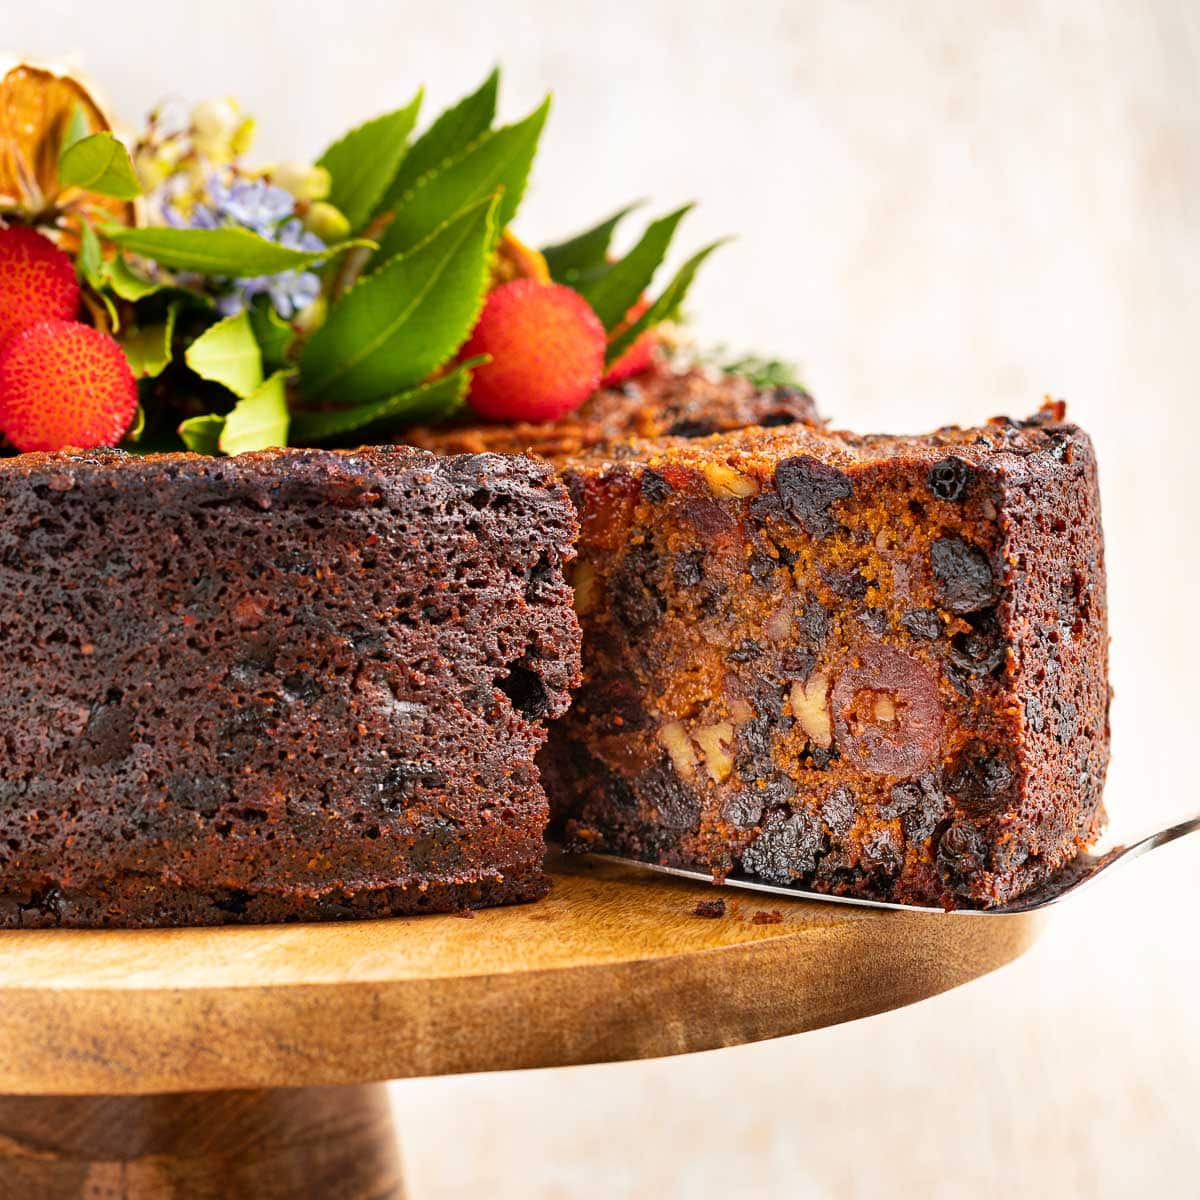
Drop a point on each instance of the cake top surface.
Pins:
(756, 451)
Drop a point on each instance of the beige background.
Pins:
(944, 210)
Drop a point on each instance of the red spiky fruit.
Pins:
(547, 350)
(639, 357)
(37, 281)
(64, 384)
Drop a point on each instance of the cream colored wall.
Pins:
(944, 210)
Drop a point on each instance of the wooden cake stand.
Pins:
(230, 1063)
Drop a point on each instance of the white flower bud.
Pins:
(216, 120)
(305, 182)
(327, 222)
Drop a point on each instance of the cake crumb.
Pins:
(468, 914)
(772, 917)
(709, 908)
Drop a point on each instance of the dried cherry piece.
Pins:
(807, 487)
(887, 715)
(962, 575)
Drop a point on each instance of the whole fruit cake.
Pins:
(257, 674)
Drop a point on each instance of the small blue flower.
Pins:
(270, 212)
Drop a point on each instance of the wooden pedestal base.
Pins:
(337, 1143)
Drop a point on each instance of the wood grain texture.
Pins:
(614, 965)
(335, 1143)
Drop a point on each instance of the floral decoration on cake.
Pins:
(165, 291)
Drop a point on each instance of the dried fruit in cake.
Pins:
(547, 352)
(37, 281)
(64, 384)
(872, 665)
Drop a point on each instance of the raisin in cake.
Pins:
(873, 666)
(291, 685)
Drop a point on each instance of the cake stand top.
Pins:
(614, 964)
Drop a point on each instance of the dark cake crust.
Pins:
(659, 402)
(872, 666)
(293, 685)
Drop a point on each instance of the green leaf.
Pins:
(585, 252)
(89, 265)
(398, 325)
(128, 283)
(273, 334)
(454, 129)
(614, 292)
(148, 347)
(363, 164)
(99, 163)
(765, 372)
(258, 420)
(500, 158)
(227, 353)
(202, 434)
(230, 252)
(435, 399)
(665, 307)
(134, 433)
(76, 129)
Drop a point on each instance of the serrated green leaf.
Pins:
(126, 282)
(148, 347)
(616, 290)
(259, 420)
(202, 434)
(453, 130)
(99, 163)
(500, 158)
(228, 253)
(89, 263)
(273, 334)
(76, 128)
(584, 252)
(363, 164)
(227, 353)
(664, 307)
(398, 325)
(433, 400)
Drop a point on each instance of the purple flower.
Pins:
(268, 211)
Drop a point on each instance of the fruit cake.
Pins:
(871, 666)
(659, 401)
(290, 685)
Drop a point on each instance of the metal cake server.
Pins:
(1076, 875)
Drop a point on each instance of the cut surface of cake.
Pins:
(291, 685)
(870, 666)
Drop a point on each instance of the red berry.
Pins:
(37, 281)
(64, 384)
(547, 348)
(640, 356)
